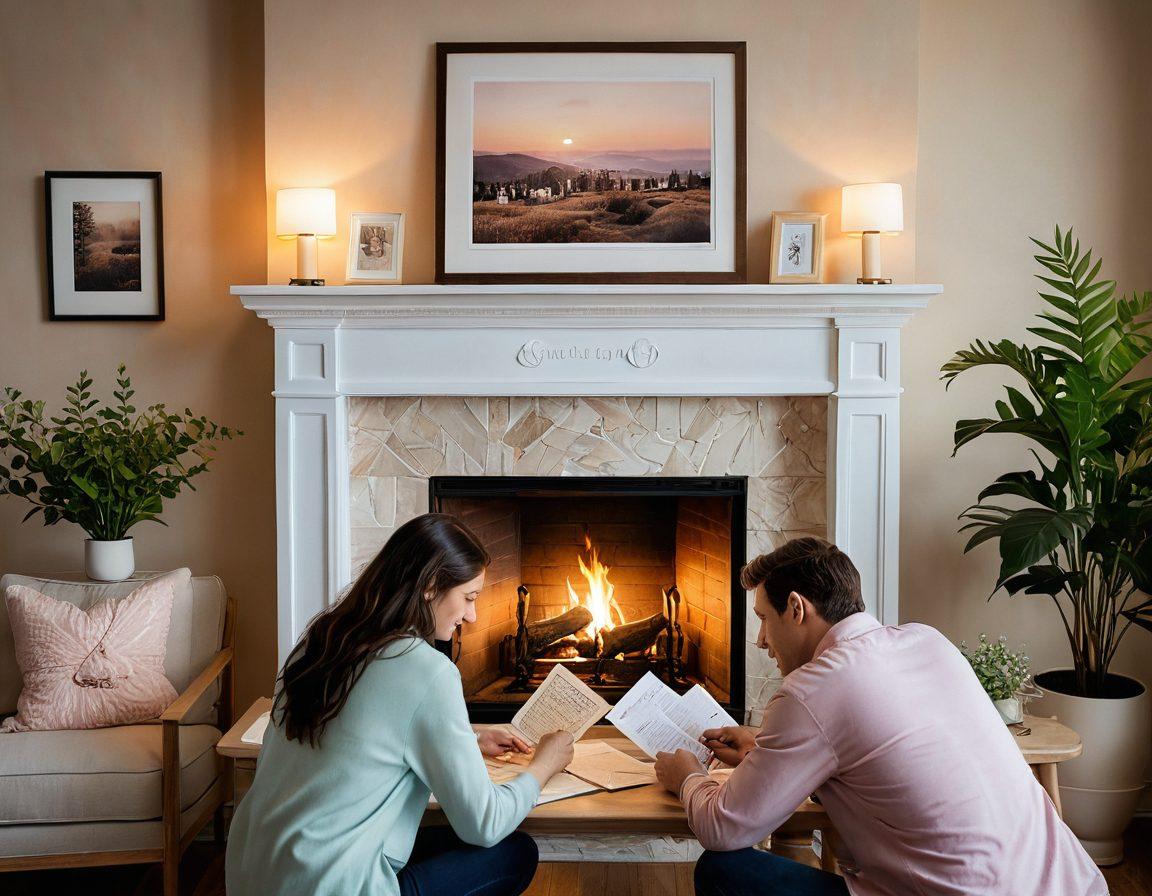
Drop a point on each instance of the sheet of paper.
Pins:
(698, 711)
(255, 732)
(562, 703)
(658, 720)
(602, 764)
(561, 786)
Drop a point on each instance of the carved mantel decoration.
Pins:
(333, 344)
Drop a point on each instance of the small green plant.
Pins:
(103, 467)
(1001, 671)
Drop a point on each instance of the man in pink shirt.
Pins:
(890, 729)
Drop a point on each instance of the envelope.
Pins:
(603, 765)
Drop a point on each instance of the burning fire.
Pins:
(598, 598)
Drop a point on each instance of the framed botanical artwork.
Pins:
(375, 247)
(797, 247)
(105, 245)
(590, 163)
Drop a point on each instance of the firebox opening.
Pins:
(613, 577)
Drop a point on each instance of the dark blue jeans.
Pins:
(750, 872)
(443, 863)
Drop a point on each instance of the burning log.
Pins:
(542, 633)
(634, 636)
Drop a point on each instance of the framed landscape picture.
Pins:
(375, 247)
(591, 163)
(105, 245)
(797, 247)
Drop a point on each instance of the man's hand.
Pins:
(673, 768)
(496, 740)
(730, 744)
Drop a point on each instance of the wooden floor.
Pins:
(202, 874)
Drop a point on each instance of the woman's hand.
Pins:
(730, 744)
(496, 740)
(553, 754)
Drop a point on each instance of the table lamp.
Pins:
(872, 210)
(303, 214)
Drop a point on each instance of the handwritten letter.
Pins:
(562, 703)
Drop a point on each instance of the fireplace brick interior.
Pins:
(648, 542)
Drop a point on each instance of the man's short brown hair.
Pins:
(812, 567)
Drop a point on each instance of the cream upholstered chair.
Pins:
(135, 793)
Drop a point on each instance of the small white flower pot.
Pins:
(1010, 709)
(109, 561)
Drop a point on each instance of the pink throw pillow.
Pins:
(90, 668)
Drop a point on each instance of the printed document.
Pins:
(562, 703)
(658, 720)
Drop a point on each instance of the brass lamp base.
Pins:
(874, 281)
(300, 281)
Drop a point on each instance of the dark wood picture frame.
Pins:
(739, 204)
(54, 314)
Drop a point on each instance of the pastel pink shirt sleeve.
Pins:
(792, 758)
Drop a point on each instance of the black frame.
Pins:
(50, 176)
(739, 273)
(734, 487)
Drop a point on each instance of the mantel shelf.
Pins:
(674, 305)
(624, 289)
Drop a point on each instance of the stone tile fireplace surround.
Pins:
(380, 388)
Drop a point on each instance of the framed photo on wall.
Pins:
(105, 245)
(797, 247)
(375, 247)
(591, 163)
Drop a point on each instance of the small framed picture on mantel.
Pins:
(591, 163)
(797, 247)
(105, 245)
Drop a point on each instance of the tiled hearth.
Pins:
(779, 443)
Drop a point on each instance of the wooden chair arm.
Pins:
(184, 703)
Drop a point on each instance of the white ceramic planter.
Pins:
(109, 561)
(1100, 789)
(1010, 710)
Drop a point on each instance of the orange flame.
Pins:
(598, 598)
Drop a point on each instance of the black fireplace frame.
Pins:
(734, 487)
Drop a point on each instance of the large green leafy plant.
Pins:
(103, 467)
(1083, 535)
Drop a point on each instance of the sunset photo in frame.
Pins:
(591, 163)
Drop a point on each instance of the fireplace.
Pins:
(380, 388)
(611, 576)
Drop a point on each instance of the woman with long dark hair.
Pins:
(368, 718)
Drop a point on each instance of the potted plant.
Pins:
(1002, 674)
(103, 467)
(1080, 529)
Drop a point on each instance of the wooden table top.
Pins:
(1048, 740)
(651, 809)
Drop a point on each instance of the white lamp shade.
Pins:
(872, 207)
(306, 210)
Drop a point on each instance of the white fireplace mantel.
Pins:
(839, 340)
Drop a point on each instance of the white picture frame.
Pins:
(375, 247)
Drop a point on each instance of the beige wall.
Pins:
(174, 87)
(351, 104)
(1032, 113)
(999, 119)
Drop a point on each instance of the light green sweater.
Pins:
(341, 819)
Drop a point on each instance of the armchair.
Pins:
(134, 793)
